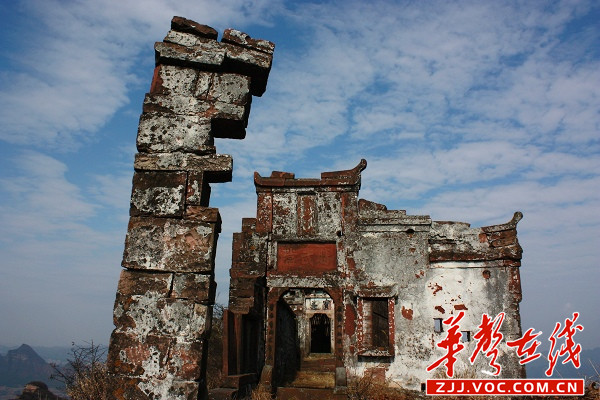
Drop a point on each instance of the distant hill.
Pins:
(55, 354)
(23, 365)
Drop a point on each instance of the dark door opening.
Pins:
(320, 334)
(287, 346)
(249, 361)
(381, 329)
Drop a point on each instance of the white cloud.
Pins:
(479, 71)
(77, 65)
(113, 191)
(54, 263)
(41, 200)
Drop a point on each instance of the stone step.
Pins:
(318, 363)
(314, 379)
(222, 394)
(239, 381)
(289, 393)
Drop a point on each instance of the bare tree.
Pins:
(214, 365)
(85, 375)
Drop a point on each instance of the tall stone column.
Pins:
(201, 89)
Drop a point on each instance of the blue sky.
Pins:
(466, 111)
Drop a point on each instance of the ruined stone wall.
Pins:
(382, 269)
(481, 264)
(433, 270)
(201, 90)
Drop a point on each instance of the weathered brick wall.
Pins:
(434, 270)
(201, 89)
(313, 235)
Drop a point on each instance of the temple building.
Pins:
(327, 288)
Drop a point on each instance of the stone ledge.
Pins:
(216, 167)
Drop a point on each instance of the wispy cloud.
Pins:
(71, 67)
(53, 261)
(76, 66)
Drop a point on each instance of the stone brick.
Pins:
(512, 224)
(235, 115)
(133, 285)
(156, 357)
(198, 190)
(151, 315)
(190, 51)
(134, 282)
(230, 88)
(246, 270)
(241, 305)
(502, 238)
(215, 167)
(248, 224)
(179, 105)
(307, 214)
(186, 25)
(181, 81)
(165, 244)
(453, 251)
(329, 214)
(164, 133)
(248, 247)
(134, 388)
(284, 214)
(158, 193)
(264, 213)
(185, 359)
(241, 287)
(172, 389)
(203, 84)
(138, 357)
(255, 64)
(199, 288)
(238, 54)
(234, 36)
(228, 128)
(169, 79)
(204, 214)
(125, 388)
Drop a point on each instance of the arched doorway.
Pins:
(304, 339)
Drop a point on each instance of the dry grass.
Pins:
(368, 388)
(261, 393)
(214, 363)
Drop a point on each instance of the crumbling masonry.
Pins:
(201, 90)
(326, 288)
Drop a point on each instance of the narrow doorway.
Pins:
(287, 349)
(320, 334)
